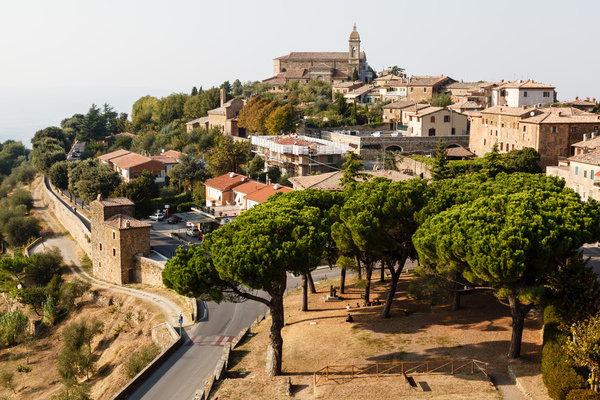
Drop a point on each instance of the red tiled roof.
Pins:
(130, 160)
(114, 154)
(226, 182)
(261, 195)
(165, 159)
(249, 187)
(173, 153)
(121, 221)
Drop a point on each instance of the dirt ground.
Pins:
(312, 340)
(127, 329)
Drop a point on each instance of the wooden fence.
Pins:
(398, 368)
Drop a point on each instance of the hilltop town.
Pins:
(220, 209)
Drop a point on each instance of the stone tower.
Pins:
(117, 237)
(354, 52)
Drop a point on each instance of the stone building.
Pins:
(328, 66)
(551, 131)
(117, 238)
(224, 118)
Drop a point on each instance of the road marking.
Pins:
(215, 340)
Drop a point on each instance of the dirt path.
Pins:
(70, 251)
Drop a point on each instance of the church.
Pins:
(332, 67)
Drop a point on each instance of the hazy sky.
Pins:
(60, 56)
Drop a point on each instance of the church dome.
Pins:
(354, 35)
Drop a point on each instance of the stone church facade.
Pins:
(333, 67)
(117, 238)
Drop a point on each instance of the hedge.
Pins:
(559, 375)
(583, 394)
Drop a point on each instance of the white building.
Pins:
(522, 93)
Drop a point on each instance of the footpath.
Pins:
(70, 249)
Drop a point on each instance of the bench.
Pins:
(411, 381)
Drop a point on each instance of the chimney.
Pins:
(127, 224)
(223, 96)
(585, 137)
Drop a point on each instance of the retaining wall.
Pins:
(68, 220)
(416, 166)
(149, 271)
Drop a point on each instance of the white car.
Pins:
(157, 216)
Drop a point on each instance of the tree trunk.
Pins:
(456, 298)
(359, 268)
(343, 281)
(304, 305)
(369, 272)
(395, 272)
(275, 352)
(311, 284)
(518, 321)
(382, 276)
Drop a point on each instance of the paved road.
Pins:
(183, 373)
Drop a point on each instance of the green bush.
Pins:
(583, 394)
(184, 207)
(559, 376)
(139, 360)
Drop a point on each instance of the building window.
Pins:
(576, 170)
(446, 118)
(484, 142)
(584, 173)
(100, 246)
(329, 159)
(114, 235)
(424, 90)
(432, 120)
(454, 132)
(501, 146)
(503, 93)
(524, 94)
(411, 89)
(574, 129)
(546, 94)
(524, 128)
(553, 129)
(114, 252)
(592, 174)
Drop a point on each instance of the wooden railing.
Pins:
(398, 368)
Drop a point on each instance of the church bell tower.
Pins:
(354, 53)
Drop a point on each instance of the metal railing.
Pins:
(399, 368)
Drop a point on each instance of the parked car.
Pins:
(157, 216)
(193, 231)
(173, 220)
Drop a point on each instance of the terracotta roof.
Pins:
(130, 160)
(342, 85)
(114, 154)
(503, 110)
(121, 221)
(398, 105)
(427, 80)
(296, 73)
(318, 56)
(593, 143)
(395, 83)
(578, 102)
(165, 159)
(275, 80)
(261, 195)
(173, 153)
(562, 115)
(226, 182)
(388, 77)
(593, 157)
(217, 111)
(527, 84)
(331, 180)
(117, 201)
(249, 187)
(466, 105)
(458, 152)
(468, 85)
(424, 111)
(202, 120)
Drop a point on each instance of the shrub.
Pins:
(13, 326)
(559, 376)
(583, 394)
(139, 360)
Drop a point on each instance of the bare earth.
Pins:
(312, 340)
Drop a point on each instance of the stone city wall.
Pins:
(68, 220)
